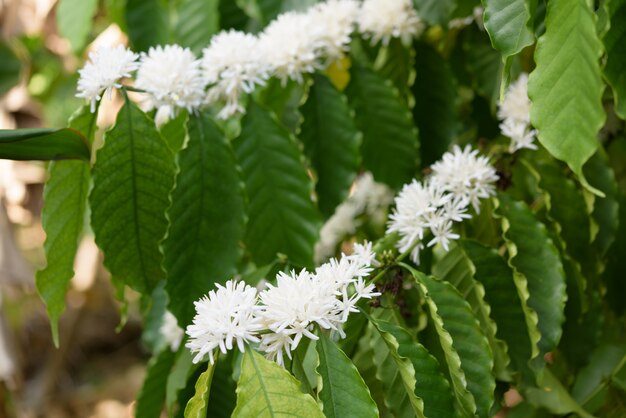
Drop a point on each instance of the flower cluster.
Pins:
(170, 331)
(368, 197)
(281, 315)
(514, 111)
(235, 63)
(459, 179)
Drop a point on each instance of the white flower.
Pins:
(171, 77)
(171, 332)
(335, 20)
(233, 63)
(385, 19)
(515, 114)
(103, 71)
(290, 44)
(224, 317)
(465, 175)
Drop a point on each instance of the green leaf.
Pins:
(10, 69)
(267, 390)
(202, 246)
(456, 268)
(501, 292)
(390, 145)
(74, 20)
(282, 217)
(464, 345)
(613, 274)
(43, 144)
(554, 397)
(133, 176)
(152, 394)
(509, 24)
(197, 405)
(182, 370)
(615, 45)
(435, 111)
(197, 21)
(331, 141)
(222, 398)
(407, 363)
(566, 86)
(343, 391)
(484, 64)
(396, 62)
(63, 218)
(533, 255)
(147, 23)
(174, 131)
(605, 209)
(435, 12)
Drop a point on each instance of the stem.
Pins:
(395, 263)
(126, 88)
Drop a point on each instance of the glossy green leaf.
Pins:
(509, 24)
(207, 213)
(464, 344)
(282, 217)
(605, 209)
(501, 292)
(152, 394)
(267, 390)
(197, 405)
(407, 364)
(331, 141)
(133, 175)
(435, 111)
(343, 392)
(390, 145)
(43, 144)
(533, 255)
(197, 21)
(174, 131)
(456, 268)
(566, 86)
(435, 12)
(615, 45)
(74, 20)
(63, 218)
(147, 23)
(10, 69)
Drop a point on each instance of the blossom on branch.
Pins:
(382, 20)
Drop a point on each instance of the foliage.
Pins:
(200, 200)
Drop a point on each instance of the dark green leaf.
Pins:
(435, 111)
(10, 69)
(222, 398)
(74, 20)
(174, 131)
(182, 370)
(232, 16)
(592, 383)
(63, 218)
(133, 176)
(554, 397)
(197, 21)
(533, 255)
(396, 62)
(282, 217)
(43, 144)
(435, 12)
(152, 394)
(613, 274)
(428, 382)
(506, 307)
(456, 268)
(390, 145)
(331, 141)
(147, 23)
(202, 246)
(343, 392)
(464, 345)
(566, 86)
(197, 405)
(267, 390)
(484, 64)
(509, 24)
(615, 45)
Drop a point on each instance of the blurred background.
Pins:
(100, 365)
